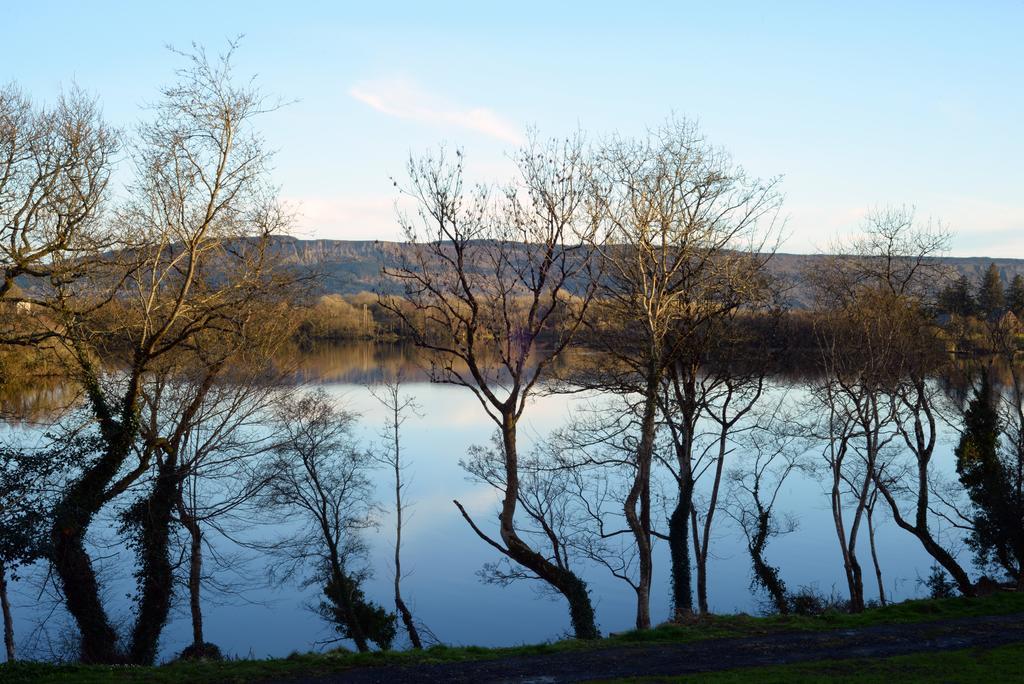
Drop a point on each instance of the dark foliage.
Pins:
(957, 298)
(1015, 295)
(204, 651)
(938, 583)
(808, 601)
(25, 506)
(998, 516)
(991, 297)
(344, 595)
(766, 576)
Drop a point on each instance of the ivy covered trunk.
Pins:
(71, 562)
(764, 574)
(152, 518)
(679, 531)
(679, 551)
(353, 614)
(5, 605)
(339, 590)
(195, 580)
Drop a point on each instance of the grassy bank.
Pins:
(707, 628)
(1003, 664)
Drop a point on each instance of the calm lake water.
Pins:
(442, 555)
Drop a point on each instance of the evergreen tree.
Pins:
(1015, 295)
(998, 516)
(956, 298)
(991, 299)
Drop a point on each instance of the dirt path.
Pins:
(704, 656)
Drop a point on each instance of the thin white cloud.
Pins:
(346, 217)
(405, 100)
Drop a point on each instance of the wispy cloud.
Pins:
(405, 100)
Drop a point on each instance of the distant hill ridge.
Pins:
(352, 266)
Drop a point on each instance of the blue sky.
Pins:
(856, 105)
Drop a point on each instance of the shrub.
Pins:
(938, 583)
(809, 601)
(203, 651)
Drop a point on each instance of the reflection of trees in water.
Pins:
(32, 389)
(359, 362)
(40, 400)
(370, 362)
(43, 398)
(962, 374)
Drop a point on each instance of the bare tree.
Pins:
(201, 428)
(917, 421)
(732, 382)
(596, 450)
(489, 290)
(399, 406)
(867, 322)
(54, 168)
(179, 268)
(190, 416)
(857, 427)
(319, 480)
(679, 218)
(775, 453)
(55, 164)
(550, 517)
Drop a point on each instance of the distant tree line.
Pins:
(988, 299)
(976, 315)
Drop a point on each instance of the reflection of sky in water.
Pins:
(443, 555)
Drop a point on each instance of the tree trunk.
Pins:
(407, 621)
(874, 556)
(72, 516)
(704, 549)
(947, 561)
(679, 551)
(195, 579)
(566, 582)
(343, 584)
(848, 542)
(922, 533)
(679, 521)
(767, 575)
(403, 610)
(854, 572)
(156, 575)
(5, 604)
(850, 565)
(640, 522)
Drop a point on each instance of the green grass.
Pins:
(705, 628)
(1002, 664)
(922, 610)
